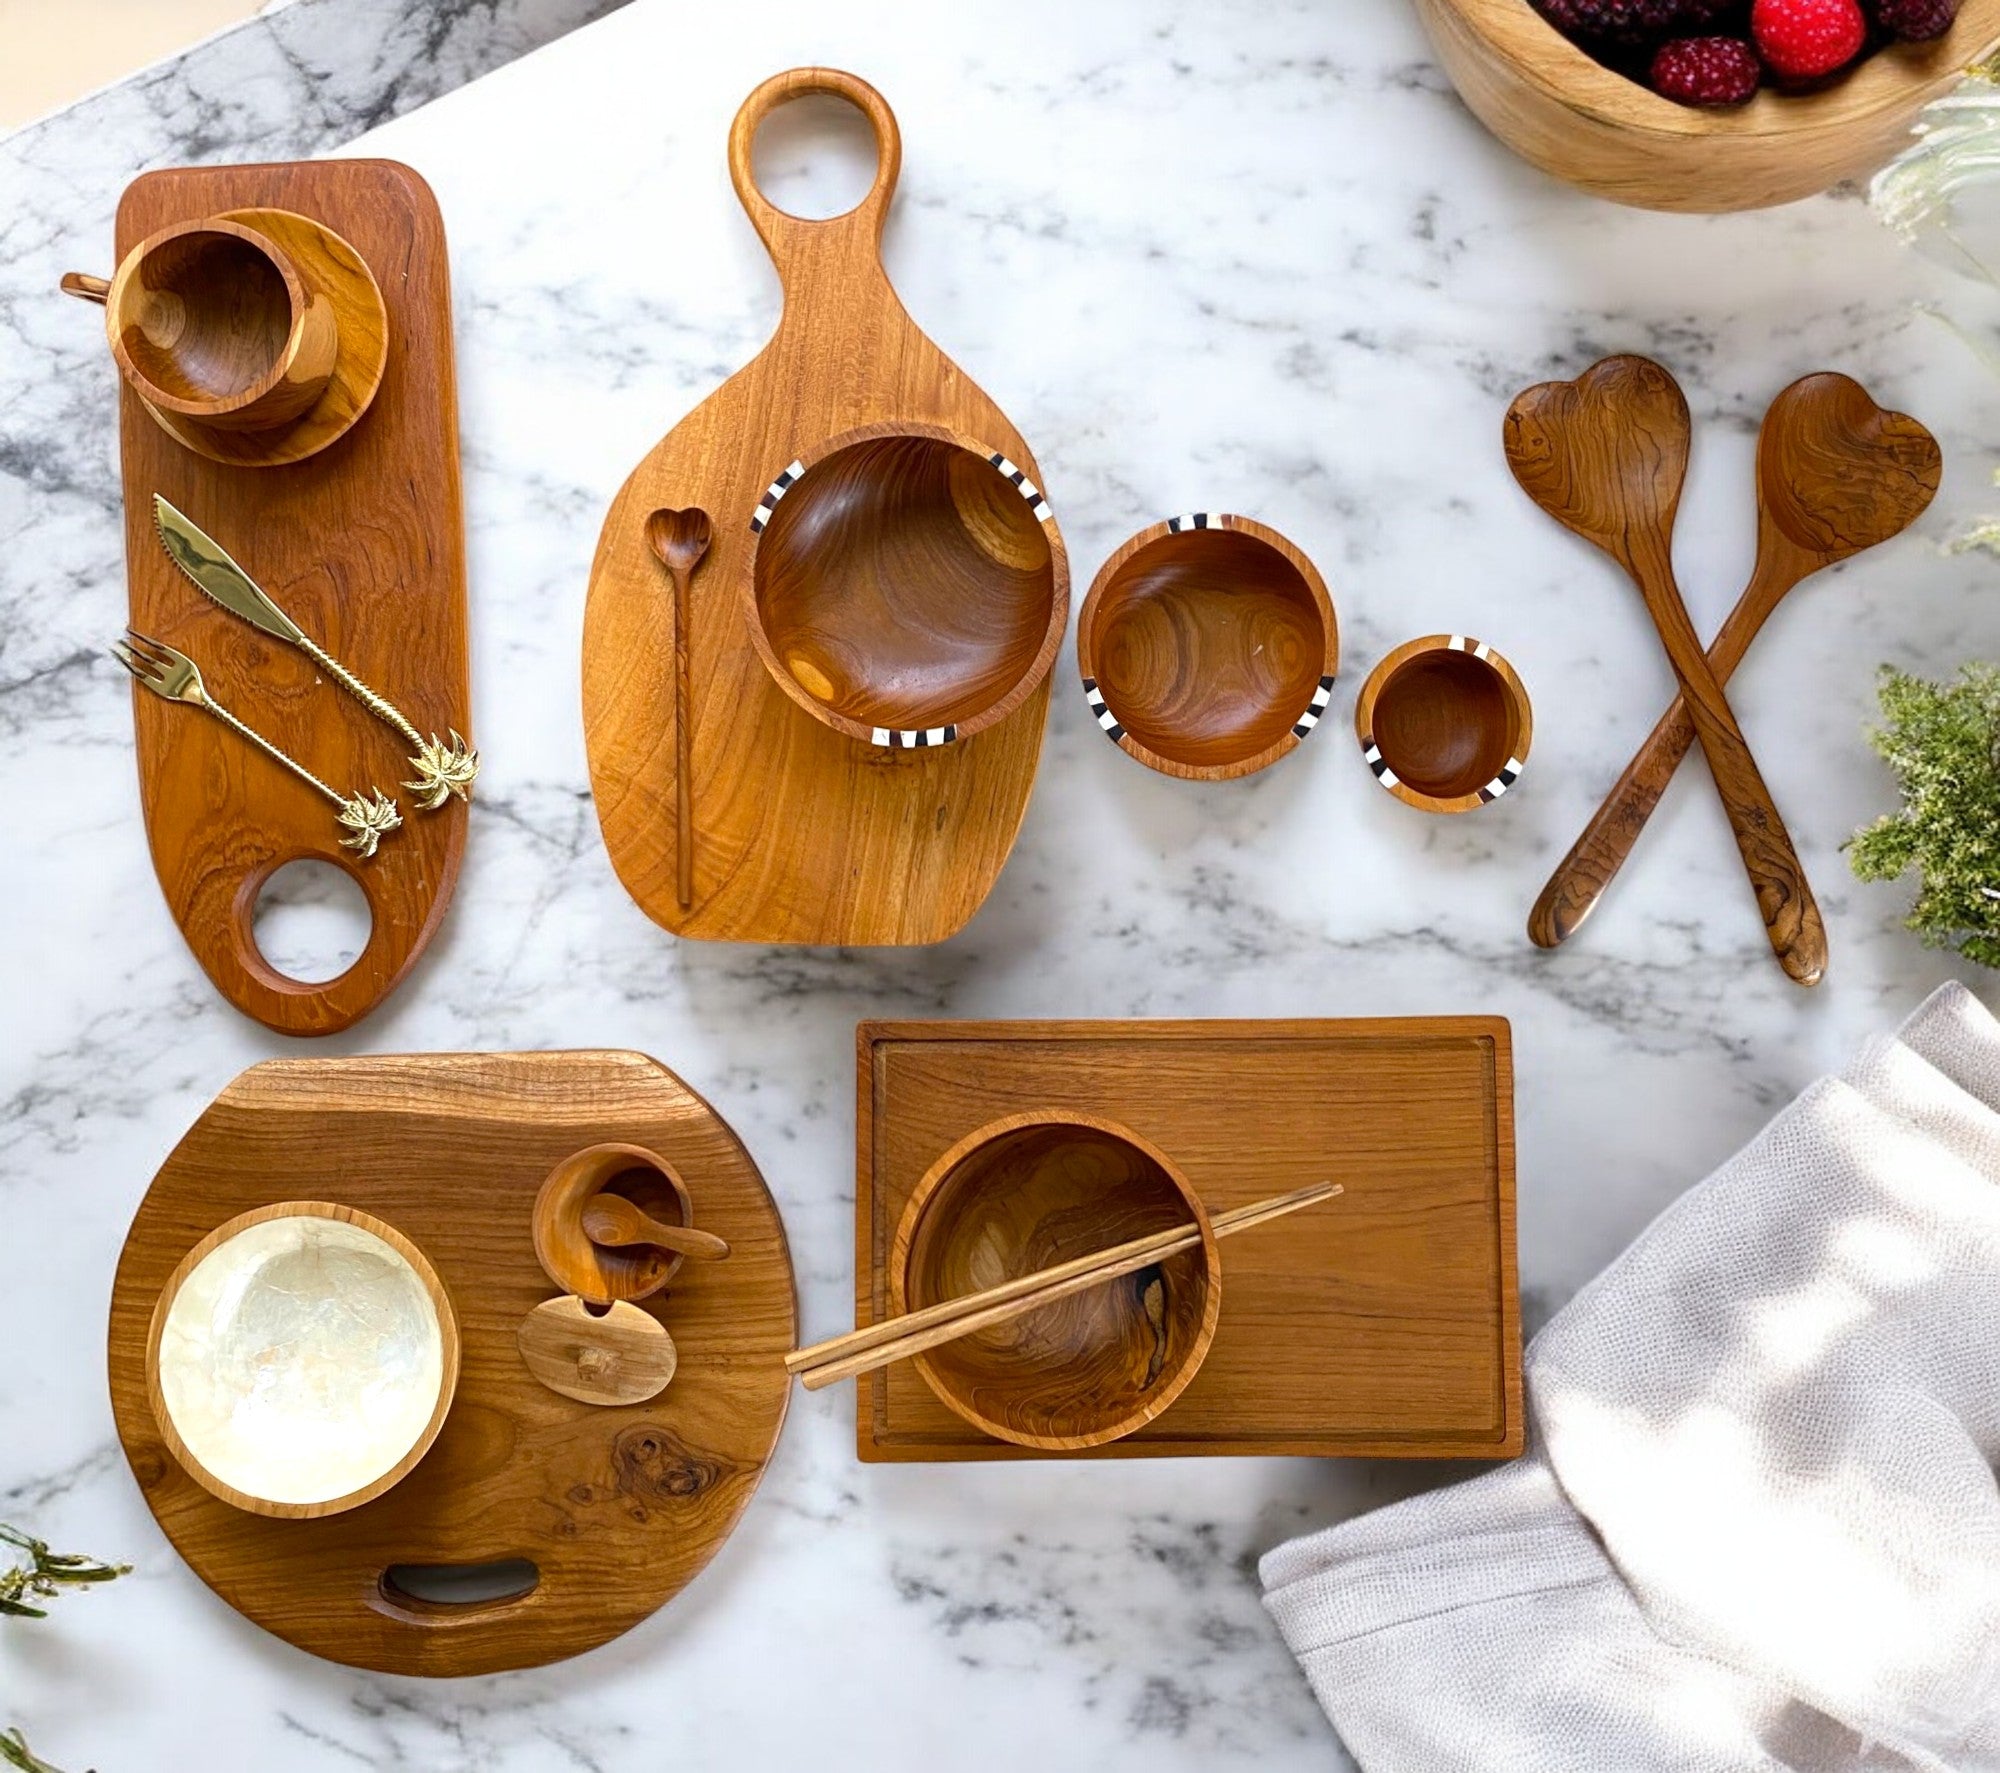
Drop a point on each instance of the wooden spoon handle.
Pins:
(1784, 896)
(683, 745)
(1600, 850)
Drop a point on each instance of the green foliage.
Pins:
(1943, 742)
(14, 1752)
(45, 1575)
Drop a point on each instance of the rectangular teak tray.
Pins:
(1384, 1324)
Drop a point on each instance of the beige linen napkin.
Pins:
(1758, 1528)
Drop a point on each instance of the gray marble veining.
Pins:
(1245, 256)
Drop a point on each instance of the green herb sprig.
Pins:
(45, 1575)
(15, 1752)
(1942, 740)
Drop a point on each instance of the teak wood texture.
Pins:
(363, 544)
(1445, 724)
(801, 833)
(1605, 456)
(1836, 474)
(616, 1507)
(1386, 1324)
(1574, 118)
(1208, 647)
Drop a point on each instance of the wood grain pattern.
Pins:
(1836, 474)
(1579, 121)
(1386, 1327)
(802, 834)
(617, 1508)
(1445, 723)
(624, 1356)
(572, 1258)
(1605, 456)
(1209, 646)
(1029, 1192)
(363, 544)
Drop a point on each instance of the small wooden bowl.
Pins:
(601, 1276)
(1557, 107)
(1208, 647)
(1444, 724)
(350, 1251)
(907, 586)
(1022, 1194)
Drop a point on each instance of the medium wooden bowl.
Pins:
(1444, 723)
(907, 586)
(246, 1339)
(593, 1273)
(1208, 647)
(1557, 107)
(1023, 1194)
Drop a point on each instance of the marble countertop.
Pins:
(1245, 256)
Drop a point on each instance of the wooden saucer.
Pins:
(328, 266)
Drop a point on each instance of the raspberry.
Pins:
(1805, 39)
(1706, 71)
(1916, 21)
(1629, 22)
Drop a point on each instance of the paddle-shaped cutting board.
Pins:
(363, 545)
(800, 834)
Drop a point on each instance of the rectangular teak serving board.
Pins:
(1384, 1324)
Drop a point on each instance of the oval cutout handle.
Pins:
(791, 239)
(460, 1588)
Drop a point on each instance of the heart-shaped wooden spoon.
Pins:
(1836, 474)
(1605, 455)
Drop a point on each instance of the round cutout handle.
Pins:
(789, 238)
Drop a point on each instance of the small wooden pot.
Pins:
(597, 1275)
(1557, 107)
(1025, 1193)
(907, 586)
(1208, 647)
(174, 1397)
(1444, 724)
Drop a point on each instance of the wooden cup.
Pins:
(1025, 1193)
(212, 323)
(593, 1273)
(1444, 724)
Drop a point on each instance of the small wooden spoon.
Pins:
(1836, 474)
(613, 1223)
(1605, 455)
(680, 539)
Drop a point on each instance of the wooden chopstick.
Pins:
(897, 1338)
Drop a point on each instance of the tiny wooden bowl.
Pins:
(907, 586)
(601, 1276)
(447, 1388)
(211, 321)
(1208, 647)
(1567, 113)
(1023, 1194)
(1444, 723)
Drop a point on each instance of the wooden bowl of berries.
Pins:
(1706, 105)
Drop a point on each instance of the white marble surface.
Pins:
(1248, 256)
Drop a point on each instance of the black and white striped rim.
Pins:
(912, 738)
(1193, 520)
(1099, 712)
(1510, 771)
(772, 494)
(1310, 718)
(1024, 486)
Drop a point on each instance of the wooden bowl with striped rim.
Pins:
(1208, 647)
(907, 586)
(1445, 723)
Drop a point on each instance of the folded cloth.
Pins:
(1757, 1528)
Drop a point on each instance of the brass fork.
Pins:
(368, 817)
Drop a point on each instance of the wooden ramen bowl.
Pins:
(301, 1359)
(1208, 647)
(1023, 1194)
(1555, 106)
(907, 586)
(1444, 723)
(593, 1273)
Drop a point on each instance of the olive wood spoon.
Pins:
(1605, 455)
(679, 539)
(1836, 474)
(612, 1222)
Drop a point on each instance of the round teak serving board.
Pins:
(801, 833)
(617, 1508)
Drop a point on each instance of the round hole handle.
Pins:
(795, 242)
